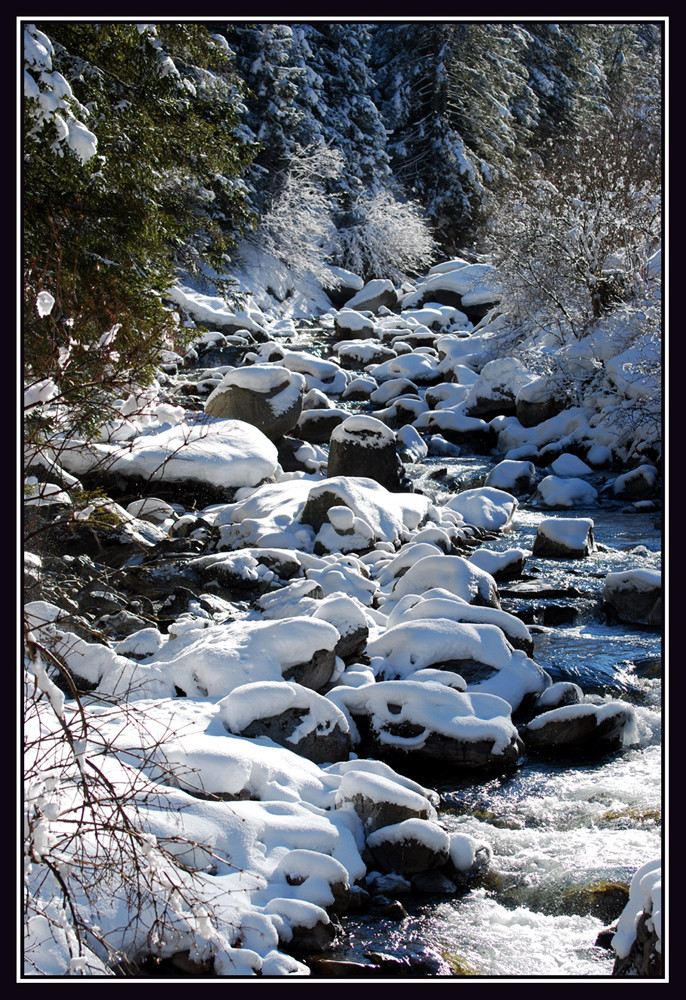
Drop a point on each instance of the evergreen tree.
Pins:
(132, 172)
(456, 100)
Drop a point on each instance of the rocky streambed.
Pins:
(312, 546)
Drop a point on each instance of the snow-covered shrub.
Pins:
(384, 236)
(298, 227)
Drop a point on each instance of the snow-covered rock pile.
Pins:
(254, 674)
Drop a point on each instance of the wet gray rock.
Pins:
(410, 847)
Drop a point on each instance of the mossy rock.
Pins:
(604, 900)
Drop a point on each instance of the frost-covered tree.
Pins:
(575, 238)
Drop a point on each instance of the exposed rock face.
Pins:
(364, 446)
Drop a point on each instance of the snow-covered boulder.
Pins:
(363, 446)
(467, 856)
(409, 847)
(320, 373)
(432, 724)
(506, 565)
(401, 412)
(478, 652)
(342, 285)
(566, 466)
(410, 445)
(446, 395)
(201, 449)
(538, 400)
(473, 288)
(635, 596)
(513, 477)
(440, 603)
(268, 396)
(342, 531)
(581, 727)
(455, 574)
(318, 878)
(352, 325)
(152, 509)
(379, 800)
(637, 484)
(556, 492)
(637, 942)
(375, 294)
(557, 695)
(496, 387)
(213, 661)
(419, 368)
(317, 425)
(392, 389)
(391, 516)
(564, 538)
(360, 353)
(457, 428)
(292, 716)
(484, 507)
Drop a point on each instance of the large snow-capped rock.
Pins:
(363, 446)
(268, 396)
(432, 724)
(564, 538)
(455, 574)
(484, 507)
(291, 715)
(201, 449)
(212, 661)
(478, 652)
